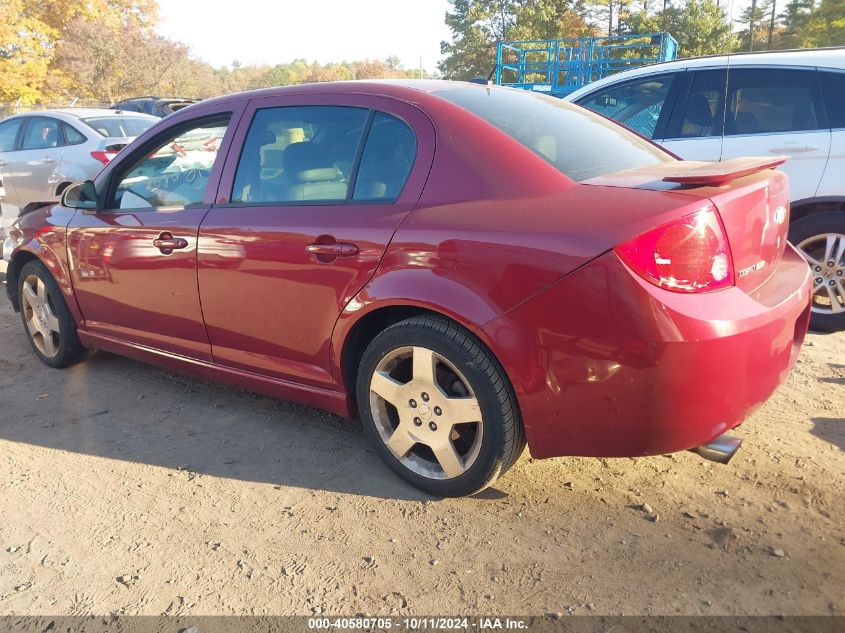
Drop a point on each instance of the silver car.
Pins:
(43, 152)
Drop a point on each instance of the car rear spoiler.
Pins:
(697, 174)
(115, 143)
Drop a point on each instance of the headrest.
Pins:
(306, 162)
(698, 111)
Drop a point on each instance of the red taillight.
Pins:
(103, 156)
(690, 254)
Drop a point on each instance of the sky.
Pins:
(278, 31)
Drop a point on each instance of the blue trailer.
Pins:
(558, 67)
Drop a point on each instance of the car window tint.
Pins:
(704, 107)
(387, 159)
(176, 173)
(833, 87)
(634, 104)
(72, 135)
(41, 133)
(8, 134)
(577, 142)
(768, 101)
(299, 154)
(120, 126)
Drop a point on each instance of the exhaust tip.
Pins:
(720, 450)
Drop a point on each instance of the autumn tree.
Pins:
(25, 52)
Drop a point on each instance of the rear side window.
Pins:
(769, 101)
(41, 133)
(8, 134)
(833, 87)
(299, 154)
(635, 104)
(704, 110)
(120, 126)
(387, 159)
(579, 143)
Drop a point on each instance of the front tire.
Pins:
(438, 407)
(47, 321)
(821, 239)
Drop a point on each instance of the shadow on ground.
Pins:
(831, 430)
(114, 407)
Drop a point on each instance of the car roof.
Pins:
(410, 89)
(79, 113)
(833, 57)
(152, 98)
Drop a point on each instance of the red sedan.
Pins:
(464, 268)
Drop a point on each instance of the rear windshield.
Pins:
(120, 125)
(580, 144)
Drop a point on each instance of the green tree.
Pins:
(827, 26)
(795, 20)
(701, 28)
(753, 17)
(476, 26)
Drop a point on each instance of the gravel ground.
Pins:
(130, 490)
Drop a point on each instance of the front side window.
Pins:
(770, 101)
(386, 162)
(8, 134)
(578, 143)
(299, 154)
(176, 173)
(635, 104)
(42, 133)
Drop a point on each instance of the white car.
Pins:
(43, 152)
(754, 104)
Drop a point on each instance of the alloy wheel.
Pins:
(426, 413)
(41, 321)
(825, 254)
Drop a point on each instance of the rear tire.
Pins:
(821, 238)
(47, 321)
(438, 407)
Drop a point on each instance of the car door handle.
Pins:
(166, 243)
(46, 160)
(333, 249)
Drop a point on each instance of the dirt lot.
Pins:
(130, 490)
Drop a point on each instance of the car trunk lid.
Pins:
(751, 198)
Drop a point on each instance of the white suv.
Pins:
(754, 104)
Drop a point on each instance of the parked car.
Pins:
(43, 152)
(545, 274)
(715, 108)
(156, 106)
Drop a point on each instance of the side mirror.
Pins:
(81, 195)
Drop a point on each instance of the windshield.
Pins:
(580, 144)
(120, 125)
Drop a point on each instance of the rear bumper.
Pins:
(605, 364)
